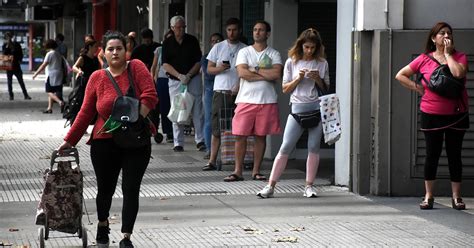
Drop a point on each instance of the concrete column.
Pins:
(156, 20)
(191, 15)
(345, 23)
(284, 33)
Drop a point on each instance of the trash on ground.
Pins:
(286, 239)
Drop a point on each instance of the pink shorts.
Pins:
(256, 119)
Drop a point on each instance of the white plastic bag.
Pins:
(181, 107)
(330, 118)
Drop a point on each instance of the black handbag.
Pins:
(134, 131)
(443, 83)
(308, 119)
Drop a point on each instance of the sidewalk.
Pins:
(182, 206)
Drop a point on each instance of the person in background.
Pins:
(107, 158)
(258, 66)
(181, 59)
(306, 70)
(54, 65)
(144, 51)
(13, 48)
(443, 120)
(62, 48)
(86, 64)
(222, 59)
(131, 44)
(208, 94)
(159, 75)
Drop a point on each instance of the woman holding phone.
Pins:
(305, 74)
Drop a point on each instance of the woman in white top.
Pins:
(305, 77)
(54, 65)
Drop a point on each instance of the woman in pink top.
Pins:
(442, 119)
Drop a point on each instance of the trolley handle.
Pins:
(71, 152)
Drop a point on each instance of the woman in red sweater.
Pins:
(107, 158)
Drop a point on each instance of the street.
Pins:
(183, 206)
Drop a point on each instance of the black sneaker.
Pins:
(27, 97)
(102, 237)
(125, 243)
(12, 98)
(201, 147)
(178, 149)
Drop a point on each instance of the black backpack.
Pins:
(74, 103)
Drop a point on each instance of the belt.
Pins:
(226, 92)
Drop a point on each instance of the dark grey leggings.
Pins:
(108, 160)
(434, 146)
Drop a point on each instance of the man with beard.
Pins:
(222, 58)
(258, 66)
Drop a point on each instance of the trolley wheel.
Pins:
(158, 138)
(46, 228)
(41, 237)
(84, 236)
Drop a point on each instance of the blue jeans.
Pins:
(208, 94)
(162, 90)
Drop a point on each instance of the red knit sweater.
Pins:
(100, 95)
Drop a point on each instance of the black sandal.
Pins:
(458, 204)
(209, 167)
(259, 177)
(233, 178)
(427, 204)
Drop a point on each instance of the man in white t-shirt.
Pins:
(221, 62)
(258, 67)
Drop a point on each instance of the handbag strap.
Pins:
(131, 89)
(432, 58)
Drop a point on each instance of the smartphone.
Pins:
(226, 62)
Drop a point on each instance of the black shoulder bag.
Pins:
(134, 131)
(443, 83)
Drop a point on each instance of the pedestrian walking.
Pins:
(208, 93)
(108, 159)
(256, 114)
(305, 77)
(181, 60)
(13, 48)
(222, 59)
(53, 63)
(131, 44)
(161, 81)
(87, 62)
(144, 51)
(442, 119)
(62, 48)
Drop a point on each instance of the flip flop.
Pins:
(259, 177)
(233, 178)
(209, 167)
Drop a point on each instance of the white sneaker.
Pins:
(310, 192)
(266, 192)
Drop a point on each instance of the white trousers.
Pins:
(195, 89)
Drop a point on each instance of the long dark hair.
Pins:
(87, 47)
(430, 46)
